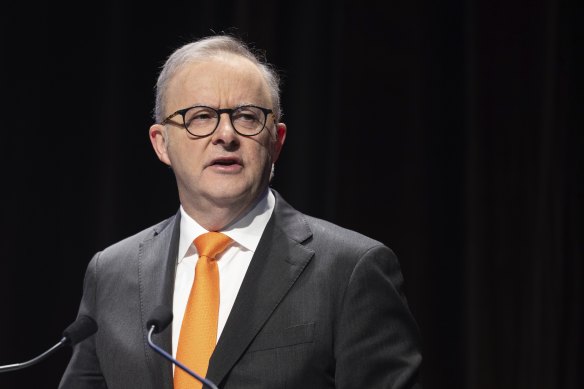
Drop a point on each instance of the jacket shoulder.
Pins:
(132, 243)
(318, 233)
(339, 236)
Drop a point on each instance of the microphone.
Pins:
(79, 330)
(159, 320)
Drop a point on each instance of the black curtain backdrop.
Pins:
(450, 130)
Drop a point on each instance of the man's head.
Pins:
(205, 49)
(221, 164)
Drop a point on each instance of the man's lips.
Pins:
(226, 161)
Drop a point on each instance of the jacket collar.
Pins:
(276, 265)
(157, 268)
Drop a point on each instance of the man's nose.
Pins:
(225, 132)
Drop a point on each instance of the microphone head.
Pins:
(80, 329)
(160, 318)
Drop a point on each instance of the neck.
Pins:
(216, 216)
(214, 219)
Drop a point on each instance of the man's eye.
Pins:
(202, 116)
(246, 116)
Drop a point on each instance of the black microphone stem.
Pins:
(166, 355)
(18, 366)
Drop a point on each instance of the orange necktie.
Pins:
(198, 333)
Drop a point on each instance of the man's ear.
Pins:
(279, 143)
(159, 140)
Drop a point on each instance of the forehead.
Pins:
(223, 81)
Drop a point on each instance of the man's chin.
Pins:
(230, 197)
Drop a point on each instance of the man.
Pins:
(301, 303)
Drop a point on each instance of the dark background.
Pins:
(450, 130)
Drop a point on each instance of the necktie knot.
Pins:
(212, 244)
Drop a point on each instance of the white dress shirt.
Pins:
(232, 263)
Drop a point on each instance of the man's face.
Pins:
(225, 169)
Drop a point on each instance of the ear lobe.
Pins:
(159, 139)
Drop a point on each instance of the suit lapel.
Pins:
(276, 265)
(157, 268)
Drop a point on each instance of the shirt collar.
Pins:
(246, 232)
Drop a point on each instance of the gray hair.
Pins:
(208, 48)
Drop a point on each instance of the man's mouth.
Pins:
(226, 161)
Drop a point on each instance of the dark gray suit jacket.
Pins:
(320, 307)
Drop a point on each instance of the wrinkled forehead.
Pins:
(221, 79)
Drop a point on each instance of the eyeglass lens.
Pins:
(246, 120)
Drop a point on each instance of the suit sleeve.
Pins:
(83, 371)
(377, 340)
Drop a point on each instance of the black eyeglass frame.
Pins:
(219, 112)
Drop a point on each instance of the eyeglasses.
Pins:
(201, 121)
